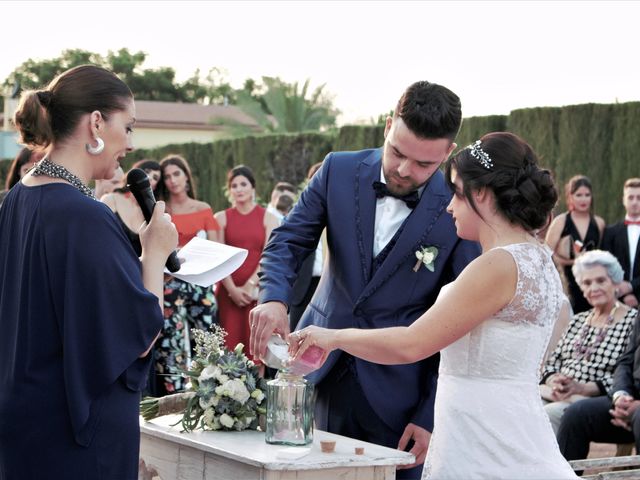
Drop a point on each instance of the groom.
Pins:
(380, 207)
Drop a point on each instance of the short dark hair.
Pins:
(525, 194)
(632, 183)
(181, 163)
(284, 187)
(313, 169)
(146, 164)
(50, 115)
(430, 111)
(241, 170)
(285, 203)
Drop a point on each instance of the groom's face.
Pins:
(408, 161)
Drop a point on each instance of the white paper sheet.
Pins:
(207, 262)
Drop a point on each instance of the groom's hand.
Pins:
(420, 438)
(265, 320)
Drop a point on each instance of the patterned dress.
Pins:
(186, 306)
(599, 365)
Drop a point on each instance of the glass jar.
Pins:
(289, 410)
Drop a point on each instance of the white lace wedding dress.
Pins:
(489, 420)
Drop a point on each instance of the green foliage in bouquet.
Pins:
(227, 392)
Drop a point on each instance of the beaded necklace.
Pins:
(53, 170)
(581, 348)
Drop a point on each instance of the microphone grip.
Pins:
(147, 203)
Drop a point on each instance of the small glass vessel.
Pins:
(289, 410)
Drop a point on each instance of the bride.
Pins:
(492, 324)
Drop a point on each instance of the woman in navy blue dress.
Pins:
(79, 311)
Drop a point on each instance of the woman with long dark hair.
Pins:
(245, 225)
(186, 305)
(573, 232)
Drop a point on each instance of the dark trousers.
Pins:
(589, 420)
(342, 408)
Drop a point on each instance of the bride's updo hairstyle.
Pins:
(525, 194)
(52, 114)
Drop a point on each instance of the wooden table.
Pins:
(167, 454)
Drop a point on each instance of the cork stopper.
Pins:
(327, 446)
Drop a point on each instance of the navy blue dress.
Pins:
(74, 319)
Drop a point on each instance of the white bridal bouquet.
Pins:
(226, 393)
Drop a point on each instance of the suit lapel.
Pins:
(623, 251)
(417, 227)
(636, 258)
(365, 199)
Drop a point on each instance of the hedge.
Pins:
(597, 140)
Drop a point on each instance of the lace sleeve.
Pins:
(538, 296)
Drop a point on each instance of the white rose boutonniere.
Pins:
(426, 256)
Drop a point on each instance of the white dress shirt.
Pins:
(633, 233)
(390, 213)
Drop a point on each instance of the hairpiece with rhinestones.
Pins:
(483, 157)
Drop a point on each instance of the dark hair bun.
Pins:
(526, 196)
(525, 193)
(32, 120)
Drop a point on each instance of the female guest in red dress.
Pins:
(244, 225)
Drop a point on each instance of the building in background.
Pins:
(158, 124)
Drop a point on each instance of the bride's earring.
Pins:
(97, 150)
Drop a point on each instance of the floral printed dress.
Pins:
(186, 306)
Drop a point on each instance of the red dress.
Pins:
(243, 231)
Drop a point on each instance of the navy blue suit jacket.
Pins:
(616, 241)
(340, 197)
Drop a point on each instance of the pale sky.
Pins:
(497, 56)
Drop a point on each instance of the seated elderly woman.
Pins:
(583, 362)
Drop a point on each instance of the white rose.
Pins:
(419, 255)
(226, 420)
(222, 378)
(427, 257)
(238, 390)
(211, 371)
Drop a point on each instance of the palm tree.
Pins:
(287, 107)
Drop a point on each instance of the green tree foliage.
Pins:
(277, 106)
(146, 84)
(287, 107)
(34, 74)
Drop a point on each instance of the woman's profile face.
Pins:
(463, 214)
(154, 177)
(241, 189)
(581, 199)
(118, 127)
(596, 286)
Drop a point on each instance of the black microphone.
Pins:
(138, 183)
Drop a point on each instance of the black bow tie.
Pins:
(411, 199)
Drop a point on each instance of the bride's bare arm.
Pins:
(483, 288)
